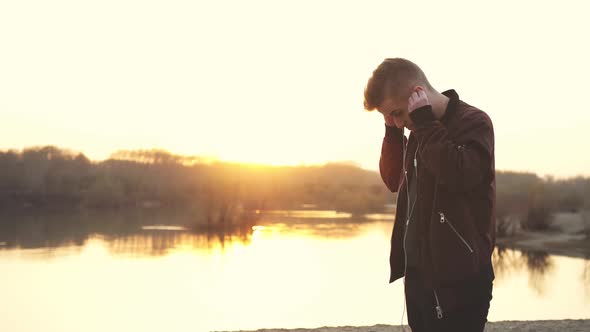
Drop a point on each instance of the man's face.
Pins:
(396, 113)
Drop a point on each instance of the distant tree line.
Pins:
(52, 178)
(527, 200)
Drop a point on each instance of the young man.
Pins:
(444, 174)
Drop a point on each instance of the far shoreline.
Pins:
(551, 243)
(567, 236)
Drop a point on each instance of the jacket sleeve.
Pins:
(459, 166)
(390, 162)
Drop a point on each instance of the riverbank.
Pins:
(581, 325)
(566, 237)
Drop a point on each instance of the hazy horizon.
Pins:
(209, 159)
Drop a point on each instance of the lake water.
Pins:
(289, 271)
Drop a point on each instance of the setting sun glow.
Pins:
(281, 83)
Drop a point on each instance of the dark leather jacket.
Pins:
(455, 206)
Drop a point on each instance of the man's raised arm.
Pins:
(390, 162)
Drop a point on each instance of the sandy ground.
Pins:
(516, 326)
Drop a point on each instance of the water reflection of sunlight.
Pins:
(169, 242)
(310, 213)
(296, 274)
(163, 228)
(257, 232)
(535, 285)
(44, 253)
(380, 216)
(586, 278)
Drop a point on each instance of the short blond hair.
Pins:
(394, 78)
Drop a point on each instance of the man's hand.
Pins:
(417, 100)
(389, 120)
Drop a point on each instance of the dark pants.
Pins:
(470, 315)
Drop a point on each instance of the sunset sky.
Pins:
(281, 82)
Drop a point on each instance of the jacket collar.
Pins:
(451, 106)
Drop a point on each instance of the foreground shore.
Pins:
(582, 325)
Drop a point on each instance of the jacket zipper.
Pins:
(443, 218)
(439, 312)
(438, 308)
(405, 180)
(407, 204)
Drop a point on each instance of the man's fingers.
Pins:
(389, 120)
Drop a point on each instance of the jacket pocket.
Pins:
(445, 220)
